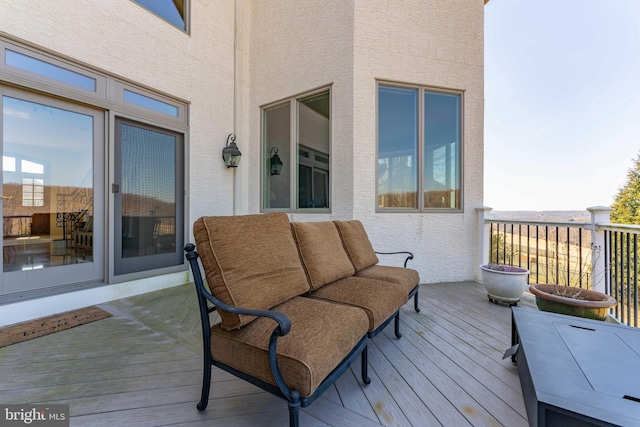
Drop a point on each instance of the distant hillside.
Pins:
(552, 216)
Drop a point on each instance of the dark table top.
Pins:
(586, 366)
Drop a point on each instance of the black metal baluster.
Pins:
(580, 258)
(635, 280)
(627, 281)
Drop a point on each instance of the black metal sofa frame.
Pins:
(283, 327)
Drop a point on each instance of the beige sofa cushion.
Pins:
(250, 261)
(380, 300)
(322, 253)
(357, 244)
(407, 277)
(317, 342)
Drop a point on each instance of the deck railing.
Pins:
(621, 280)
(556, 253)
(593, 255)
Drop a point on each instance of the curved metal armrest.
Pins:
(409, 255)
(283, 328)
(284, 324)
(283, 321)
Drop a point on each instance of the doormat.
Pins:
(48, 325)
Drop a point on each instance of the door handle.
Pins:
(5, 197)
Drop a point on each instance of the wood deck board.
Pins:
(467, 353)
(143, 367)
(349, 389)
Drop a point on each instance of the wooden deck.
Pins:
(143, 367)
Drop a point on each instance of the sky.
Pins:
(562, 102)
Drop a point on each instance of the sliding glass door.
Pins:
(52, 193)
(148, 197)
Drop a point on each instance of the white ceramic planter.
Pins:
(504, 286)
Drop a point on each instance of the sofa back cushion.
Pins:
(357, 244)
(322, 253)
(250, 261)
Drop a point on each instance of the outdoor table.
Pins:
(576, 371)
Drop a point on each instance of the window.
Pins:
(149, 211)
(172, 11)
(150, 103)
(419, 149)
(32, 192)
(46, 69)
(299, 181)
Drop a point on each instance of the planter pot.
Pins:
(505, 286)
(593, 305)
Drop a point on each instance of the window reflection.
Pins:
(397, 147)
(150, 103)
(148, 192)
(310, 139)
(402, 151)
(51, 71)
(277, 134)
(48, 177)
(441, 156)
(313, 151)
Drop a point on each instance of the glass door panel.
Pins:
(49, 203)
(148, 197)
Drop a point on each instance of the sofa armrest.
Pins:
(283, 328)
(409, 255)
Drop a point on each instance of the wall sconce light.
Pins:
(230, 153)
(275, 162)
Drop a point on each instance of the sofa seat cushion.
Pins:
(250, 261)
(321, 252)
(322, 335)
(407, 277)
(356, 243)
(380, 300)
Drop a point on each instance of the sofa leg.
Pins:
(206, 384)
(397, 325)
(364, 366)
(415, 303)
(294, 413)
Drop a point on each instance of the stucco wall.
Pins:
(297, 46)
(127, 40)
(435, 43)
(284, 48)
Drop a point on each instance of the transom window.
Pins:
(296, 159)
(419, 149)
(46, 69)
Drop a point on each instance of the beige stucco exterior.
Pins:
(297, 46)
(240, 55)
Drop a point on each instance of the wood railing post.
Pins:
(484, 239)
(599, 215)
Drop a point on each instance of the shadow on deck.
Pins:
(143, 367)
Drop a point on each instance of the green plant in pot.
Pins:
(572, 301)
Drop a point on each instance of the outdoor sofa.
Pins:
(298, 301)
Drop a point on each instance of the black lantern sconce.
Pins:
(230, 153)
(275, 162)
